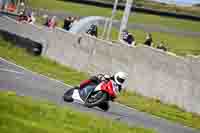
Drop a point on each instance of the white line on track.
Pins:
(35, 73)
(9, 70)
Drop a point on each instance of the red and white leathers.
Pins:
(94, 80)
(110, 87)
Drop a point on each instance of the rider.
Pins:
(118, 79)
(95, 80)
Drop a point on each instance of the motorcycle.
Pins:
(93, 95)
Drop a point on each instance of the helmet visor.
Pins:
(120, 80)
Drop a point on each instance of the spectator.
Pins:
(75, 20)
(67, 23)
(93, 30)
(11, 7)
(124, 33)
(46, 20)
(148, 40)
(162, 47)
(128, 38)
(52, 22)
(31, 18)
(21, 7)
(1, 5)
(22, 17)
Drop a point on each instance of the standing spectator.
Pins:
(162, 47)
(1, 5)
(21, 7)
(22, 17)
(128, 38)
(46, 20)
(67, 23)
(93, 31)
(75, 20)
(148, 40)
(52, 22)
(31, 18)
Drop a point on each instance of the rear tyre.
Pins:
(68, 95)
(99, 98)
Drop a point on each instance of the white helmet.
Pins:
(120, 77)
(106, 76)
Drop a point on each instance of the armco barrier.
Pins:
(152, 72)
(30, 45)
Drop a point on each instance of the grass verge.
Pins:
(40, 64)
(23, 115)
(71, 76)
(86, 10)
(155, 107)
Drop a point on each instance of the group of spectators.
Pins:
(50, 22)
(26, 17)
(68, 23)
(8, 6)
(129, 39)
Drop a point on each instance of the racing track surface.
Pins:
(27, 83)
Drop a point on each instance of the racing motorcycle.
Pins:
(93, 95)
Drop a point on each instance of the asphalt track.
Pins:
(27, 83)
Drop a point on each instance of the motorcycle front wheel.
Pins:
(96, 99)
(68, 95)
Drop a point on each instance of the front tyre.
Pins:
(68, 95)
(96, 99)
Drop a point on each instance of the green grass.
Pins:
(155, 107)
(23, 115)
(86, 10)
(71, 76)
(40, 64)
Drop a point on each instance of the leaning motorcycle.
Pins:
(93, 95)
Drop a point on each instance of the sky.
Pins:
(181, 2)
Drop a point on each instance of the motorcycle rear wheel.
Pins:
(104, 106)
